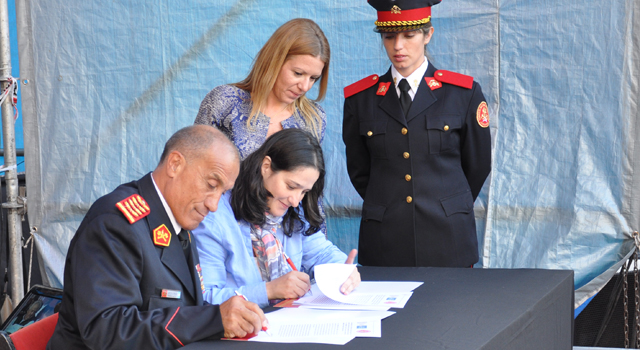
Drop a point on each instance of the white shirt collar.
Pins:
(413, 78)
(176, 227)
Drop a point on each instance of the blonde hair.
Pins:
(298, 36)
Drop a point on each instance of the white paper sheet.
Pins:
(321, 326)
(377, 294)
(330, 277)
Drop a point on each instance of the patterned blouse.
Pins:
(227, 108)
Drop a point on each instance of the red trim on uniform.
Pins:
(167, 327)
(404, 15)
(360, 85)
(453, 78)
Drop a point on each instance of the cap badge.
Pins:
(482, 115)
(383, 88)
(161, 236)
(134, 208)
(396, 10)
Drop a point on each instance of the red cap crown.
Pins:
(397, 14)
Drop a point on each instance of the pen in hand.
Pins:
(289, 261)
(264, 329)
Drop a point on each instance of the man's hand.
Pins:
(292, 285)
(241, 317)
(354, 279)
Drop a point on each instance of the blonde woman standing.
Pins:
(273, 96)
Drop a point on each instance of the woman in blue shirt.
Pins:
(271, 216)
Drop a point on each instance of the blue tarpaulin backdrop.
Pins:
(111, 81)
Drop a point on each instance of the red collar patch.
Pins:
(433, 83)
(134, 208)
(383, 88)
(162, 236)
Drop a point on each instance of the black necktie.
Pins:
(405, 99)
(183, 236)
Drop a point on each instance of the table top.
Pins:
(463, 308)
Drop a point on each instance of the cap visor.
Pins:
(399, 29)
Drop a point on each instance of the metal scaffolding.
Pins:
(14, 203)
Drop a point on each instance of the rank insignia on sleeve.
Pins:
(383, 88)
(433, 83)
(162, 236)
(482, 115)
(134, 208)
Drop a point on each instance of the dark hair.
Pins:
(288, 149)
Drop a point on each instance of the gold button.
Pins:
(407, 177)
(409, 199)
(369, 133)
(439, 74)
(446, 127)
(374, 78)
(405, 155)
(404, 131)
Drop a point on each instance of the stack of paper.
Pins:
(325, 315)
(292, 325)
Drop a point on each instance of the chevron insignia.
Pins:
(134, 208)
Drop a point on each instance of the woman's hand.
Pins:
(292, 285)
(354, 279)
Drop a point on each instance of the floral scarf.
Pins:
(267, 250)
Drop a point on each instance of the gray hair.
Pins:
(192, 140)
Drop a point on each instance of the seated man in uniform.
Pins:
(132, 277)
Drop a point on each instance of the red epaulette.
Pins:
(134, 208)
(360, 85)
(454, 78)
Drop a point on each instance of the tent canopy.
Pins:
(111, 81)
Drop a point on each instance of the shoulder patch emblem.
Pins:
(360, 85)
(383, 88)
(433, 83)
(482, 115)
(134, 208)
(161, 236)
(453, 78)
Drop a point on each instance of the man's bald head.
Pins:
(197, 166)
(193, 142)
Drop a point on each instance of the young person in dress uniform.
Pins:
(132, 277)
(418, 149)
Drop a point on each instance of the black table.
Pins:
(463, 309)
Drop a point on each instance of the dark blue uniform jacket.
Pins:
(419, 175)
(114, 277)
